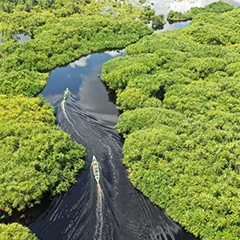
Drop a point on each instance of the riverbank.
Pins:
(46, 157)
(180, 121)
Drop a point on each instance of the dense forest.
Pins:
(179, 94)
(15, 231)
(37, 158)
(58, 40)
(215, 7)
(46, 158)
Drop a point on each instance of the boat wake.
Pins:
(99, 214)
(65, 114)
(99, 189)
(107, 207)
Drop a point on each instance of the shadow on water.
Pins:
(164, 6)
(82, 79)
(117, 211)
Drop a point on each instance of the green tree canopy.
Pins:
(35, 156)
(15, 231)
(215, 7)
(184, 153)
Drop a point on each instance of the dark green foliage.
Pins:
(215, 7)
(15, 231)
(28, 5)
(144, 118)
(148, 13)
(184, 154)
(127, 68)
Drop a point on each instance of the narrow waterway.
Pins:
(117, 210)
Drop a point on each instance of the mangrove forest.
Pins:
(37, 158)
(178, 92)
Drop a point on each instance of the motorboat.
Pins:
(95, 167)
(66, 93)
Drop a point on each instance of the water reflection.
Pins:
(175, 25)
(118, 211)
(22, 37)
(164, 7)
(82, 79)
(19, 37)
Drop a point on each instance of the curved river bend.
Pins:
(116, 210)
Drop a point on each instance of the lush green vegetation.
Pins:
(179, 93)
(149, 14)
(215, 7)
(15, 231)
(60, 39)
(36, 156)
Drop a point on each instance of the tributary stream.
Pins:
(116, 210)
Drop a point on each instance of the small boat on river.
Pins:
(66, 93)
(95, 166)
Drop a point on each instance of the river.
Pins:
(116, 210)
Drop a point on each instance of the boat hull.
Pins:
(66, 93)
(95, 167)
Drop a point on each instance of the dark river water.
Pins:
(115, 210)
